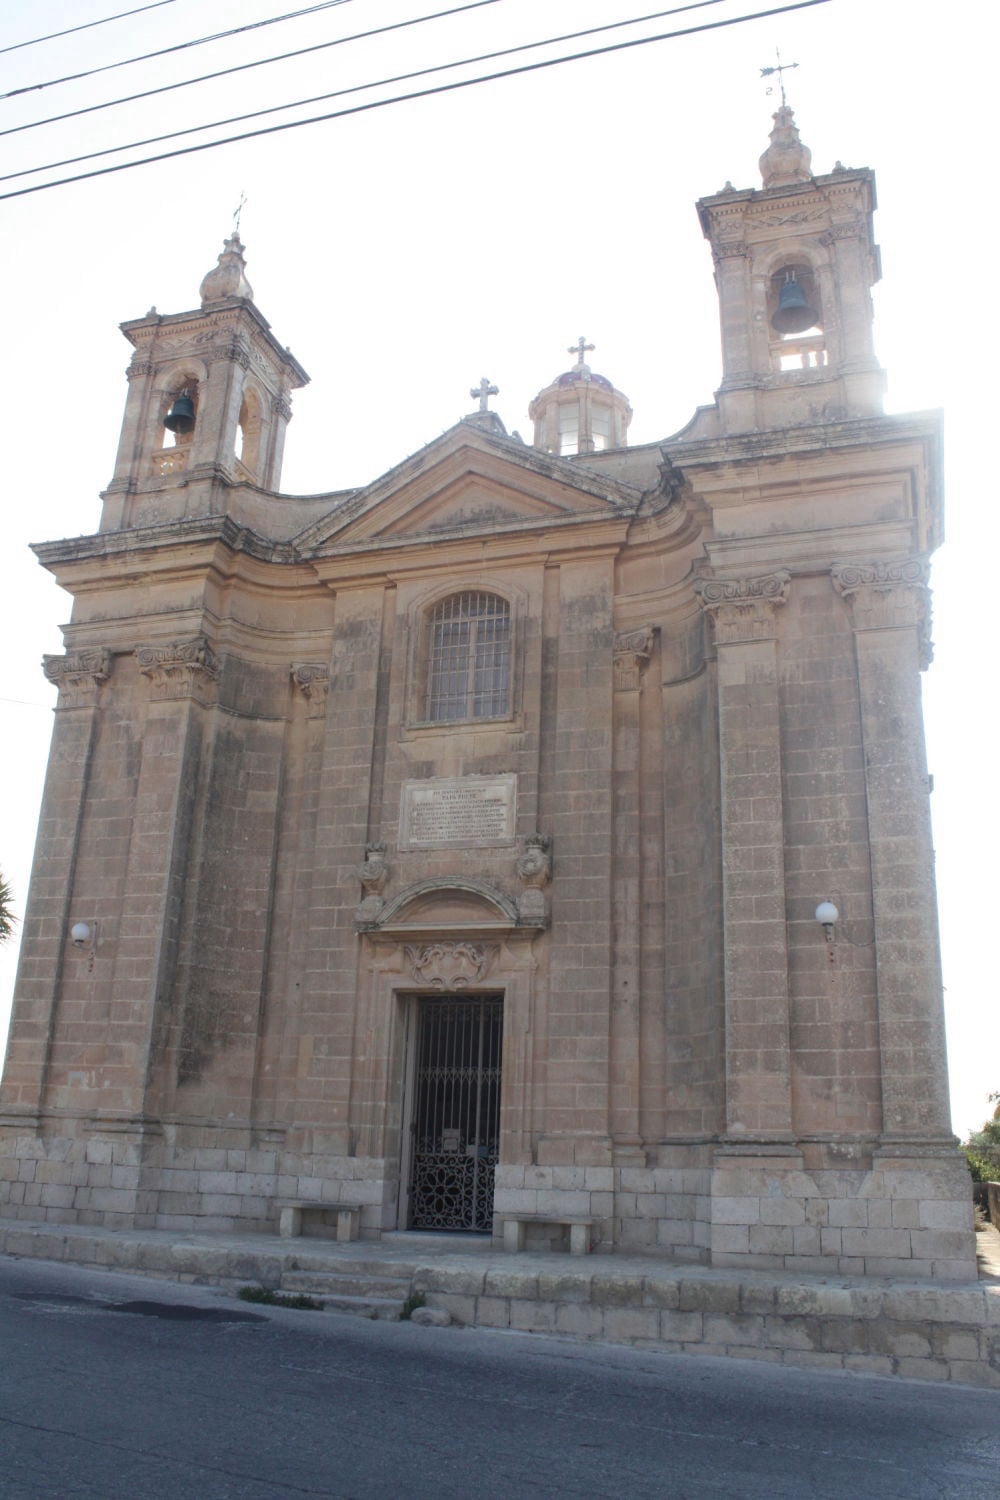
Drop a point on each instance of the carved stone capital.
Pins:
(743, 609)
(450, 965)
(888, 596)
(281, 408)
(846, 229)
(179, 669)
(730, 250)
(632, 650)
(138, 369)
(78, 675)
(312, 678)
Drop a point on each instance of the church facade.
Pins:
(537, 835)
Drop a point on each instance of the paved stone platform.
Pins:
(886, 1326)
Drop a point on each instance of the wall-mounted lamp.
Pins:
(827, 914)
(82, 935)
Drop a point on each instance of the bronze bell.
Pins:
(793, 314)
(180, 417)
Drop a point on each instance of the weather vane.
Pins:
(239, 211)
(780, 68)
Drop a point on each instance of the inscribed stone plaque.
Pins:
(457, 812)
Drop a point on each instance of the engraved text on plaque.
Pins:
(457, 812)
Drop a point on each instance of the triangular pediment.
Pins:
(469, 482)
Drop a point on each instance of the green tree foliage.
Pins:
(982, 1149)
(7, 917)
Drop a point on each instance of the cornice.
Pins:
(141, 331)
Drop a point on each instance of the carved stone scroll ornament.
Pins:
(743, 609)
(373, 875)
(632, 650)
(888, 596)
(281, 408)
(179, 669)
(312, 678)
(534, 866)
(78, 675)
(450, 965)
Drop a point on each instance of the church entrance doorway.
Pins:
(456, 1112)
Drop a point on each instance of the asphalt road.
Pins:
(126, 1388)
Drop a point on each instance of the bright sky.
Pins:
(407, 251)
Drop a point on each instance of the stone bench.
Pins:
(579, 1227)
(293, 1215)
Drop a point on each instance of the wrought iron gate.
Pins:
(456, 1120)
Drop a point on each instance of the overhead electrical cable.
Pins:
(358, 88)
(86, 26)
(217, 36)
(441, 88)
(184, 83)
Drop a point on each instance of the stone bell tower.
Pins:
(207, 405)
(795, 262)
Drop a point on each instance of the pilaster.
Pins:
(80, 677)
(758, 1087)
(888, 603)
(632, 652)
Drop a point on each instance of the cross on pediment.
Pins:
(484, 390)
(580, 348)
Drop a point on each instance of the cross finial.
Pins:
(238, 213)
(580, 348)
(780, 68)
(484, 391)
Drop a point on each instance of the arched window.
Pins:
(468, 659)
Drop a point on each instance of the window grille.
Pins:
(468, 673)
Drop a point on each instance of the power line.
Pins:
(358, 88)
(87, 25)
(243, 67)
(217, 36)
(442, 88)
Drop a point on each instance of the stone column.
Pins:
(632, 651)
(888, 602)
(758, 1089)
(79, 677)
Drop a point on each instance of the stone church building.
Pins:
(537, 836)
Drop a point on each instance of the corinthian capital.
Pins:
(632, 650)
(78, 675)
(179, 669)
(743, 609)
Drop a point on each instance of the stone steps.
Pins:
(355, 1289)
(349, 1283)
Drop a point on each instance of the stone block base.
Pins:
(893, 1209)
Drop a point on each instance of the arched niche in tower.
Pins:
(795, 300)
(250, 433)
(171, 447)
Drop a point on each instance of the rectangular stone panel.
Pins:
(458, 812)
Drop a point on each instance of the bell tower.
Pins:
(207, 407)
(795, 261)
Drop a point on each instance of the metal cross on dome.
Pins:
(484, 391)
(580, 348)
